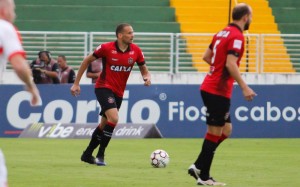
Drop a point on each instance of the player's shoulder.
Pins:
(112, 43)
(134, 46)
(4, 23)
(105, 46)
(6, 26)
(108, 45)
(235, 30)
(231, 32)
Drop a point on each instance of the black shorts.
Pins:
(107, 99)
(217, 113)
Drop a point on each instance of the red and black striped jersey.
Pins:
(228, 41)
(117, 65)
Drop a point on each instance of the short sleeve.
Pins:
(99, 52)
(212, 42)
(236, 45)
(11, 40)
(140, 57)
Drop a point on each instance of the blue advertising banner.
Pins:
(177, 110)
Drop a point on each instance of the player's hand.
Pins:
(35, 95)
(249, 94)
(75, 90)
(147, 81)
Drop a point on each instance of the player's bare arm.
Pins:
(75, 89)
(145, 74)
(207, 56)
(235, 73)
(23, 71)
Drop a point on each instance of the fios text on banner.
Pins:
(177, 111)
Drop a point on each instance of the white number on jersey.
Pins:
(215, 51)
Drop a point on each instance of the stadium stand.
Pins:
(202, 16)
(96, 15)
(287, 15)
(160, 16)
(155, 16)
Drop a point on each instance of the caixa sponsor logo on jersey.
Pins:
(121, 68)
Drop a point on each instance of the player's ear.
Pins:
(120, 35)
(246, 18)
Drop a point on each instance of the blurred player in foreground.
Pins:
(3, 171)
(118, 58)
(11, 50)
(223, 56)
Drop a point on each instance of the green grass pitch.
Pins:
(238, 162)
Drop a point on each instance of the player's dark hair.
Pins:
(121, 27)
(239, 11)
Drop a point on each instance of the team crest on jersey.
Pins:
(130, 60)
(131, 52)
(111, 100)
(113, 52)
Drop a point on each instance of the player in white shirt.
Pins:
(3, 171)
(11, 50)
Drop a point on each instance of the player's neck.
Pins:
(239, 24)
(122, 46)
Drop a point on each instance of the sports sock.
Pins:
(95, 140)
(107, 133)
(222, 138)
(206, 155)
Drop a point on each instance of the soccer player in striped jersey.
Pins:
(118, 58)
(223, 56)
(11, 50)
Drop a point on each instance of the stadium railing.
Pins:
(191, 47)
(157, 48)
(172, 52)
(74, 45)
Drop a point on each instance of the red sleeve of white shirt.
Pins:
(10, 40)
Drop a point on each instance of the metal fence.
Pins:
(191, 47)
(280, 53)
(157, 48)
(73, 45)
(173, 53)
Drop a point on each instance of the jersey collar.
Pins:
(235, 25)
(119, 50)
